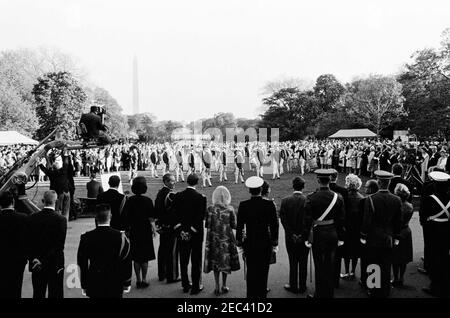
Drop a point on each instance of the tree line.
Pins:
(42, 89)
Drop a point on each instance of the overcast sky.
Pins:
(200, 57)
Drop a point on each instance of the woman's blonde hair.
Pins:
(353, 182)
(221, 196)
(402, 191)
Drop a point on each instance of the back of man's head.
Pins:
(6, 200)
(166, 178)
(371, 186)
(383, 183)
(102, 213)
(324, 180)
(49, 198)
(397, 169)
(192, 180)
(298, 183)
(114, 181)
(334, 177)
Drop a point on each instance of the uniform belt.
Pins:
(320, 223)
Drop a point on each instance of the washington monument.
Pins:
(135, 87)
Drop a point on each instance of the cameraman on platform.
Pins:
(92, 126)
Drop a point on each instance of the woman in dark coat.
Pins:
(403, 252)
(140, 215)
(353, 217)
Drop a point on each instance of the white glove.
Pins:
(363, 241)
(340, 243)
(275, 249)
(307, 244)
(396, 242)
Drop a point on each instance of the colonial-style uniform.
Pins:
(434, 215)
(223, 165)
(206, 170)
(179, 168)
(239, 161)
(324, 225)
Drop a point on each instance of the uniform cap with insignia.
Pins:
(439, 176)
(324, 173)
(381, 174)
(254, 182)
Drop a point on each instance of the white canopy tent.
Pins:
(353, 133)
(12, 137)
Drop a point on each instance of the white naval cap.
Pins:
(254, 182)
(439, 176)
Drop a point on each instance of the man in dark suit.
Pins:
(103, 257)
(165, 223)
(59, 182)
(434, 217)
(257, 234)
(190, 209)
(434, 157)
(292, 211)
(45, 237)
(12, 247)
(324, 227)
(397, 170)
(116, 201)
(94, 127)
(385, 164)
(380, 230)
(341, 249)
(93, 187)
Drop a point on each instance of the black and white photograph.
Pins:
(227, 152)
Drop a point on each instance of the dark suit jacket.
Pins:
(114, 199)
(340, 190)
(93, 123)
(59, 180)
(190, 209)
(292, 212)
(165, 214)
(259, 217)
(12, 239)
(94, 188)
(102, 256)
(45, 237)
(384, 224)
(433, 159)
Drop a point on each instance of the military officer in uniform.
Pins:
(324, 227)
(434, 215)
(380, 230)
(340, 250)
(165, 223)
(257, 234)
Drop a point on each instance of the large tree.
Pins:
(328, 91)
(426, 87)
(59, 103)
(377, 100)
(291, 111)
(15, 112)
